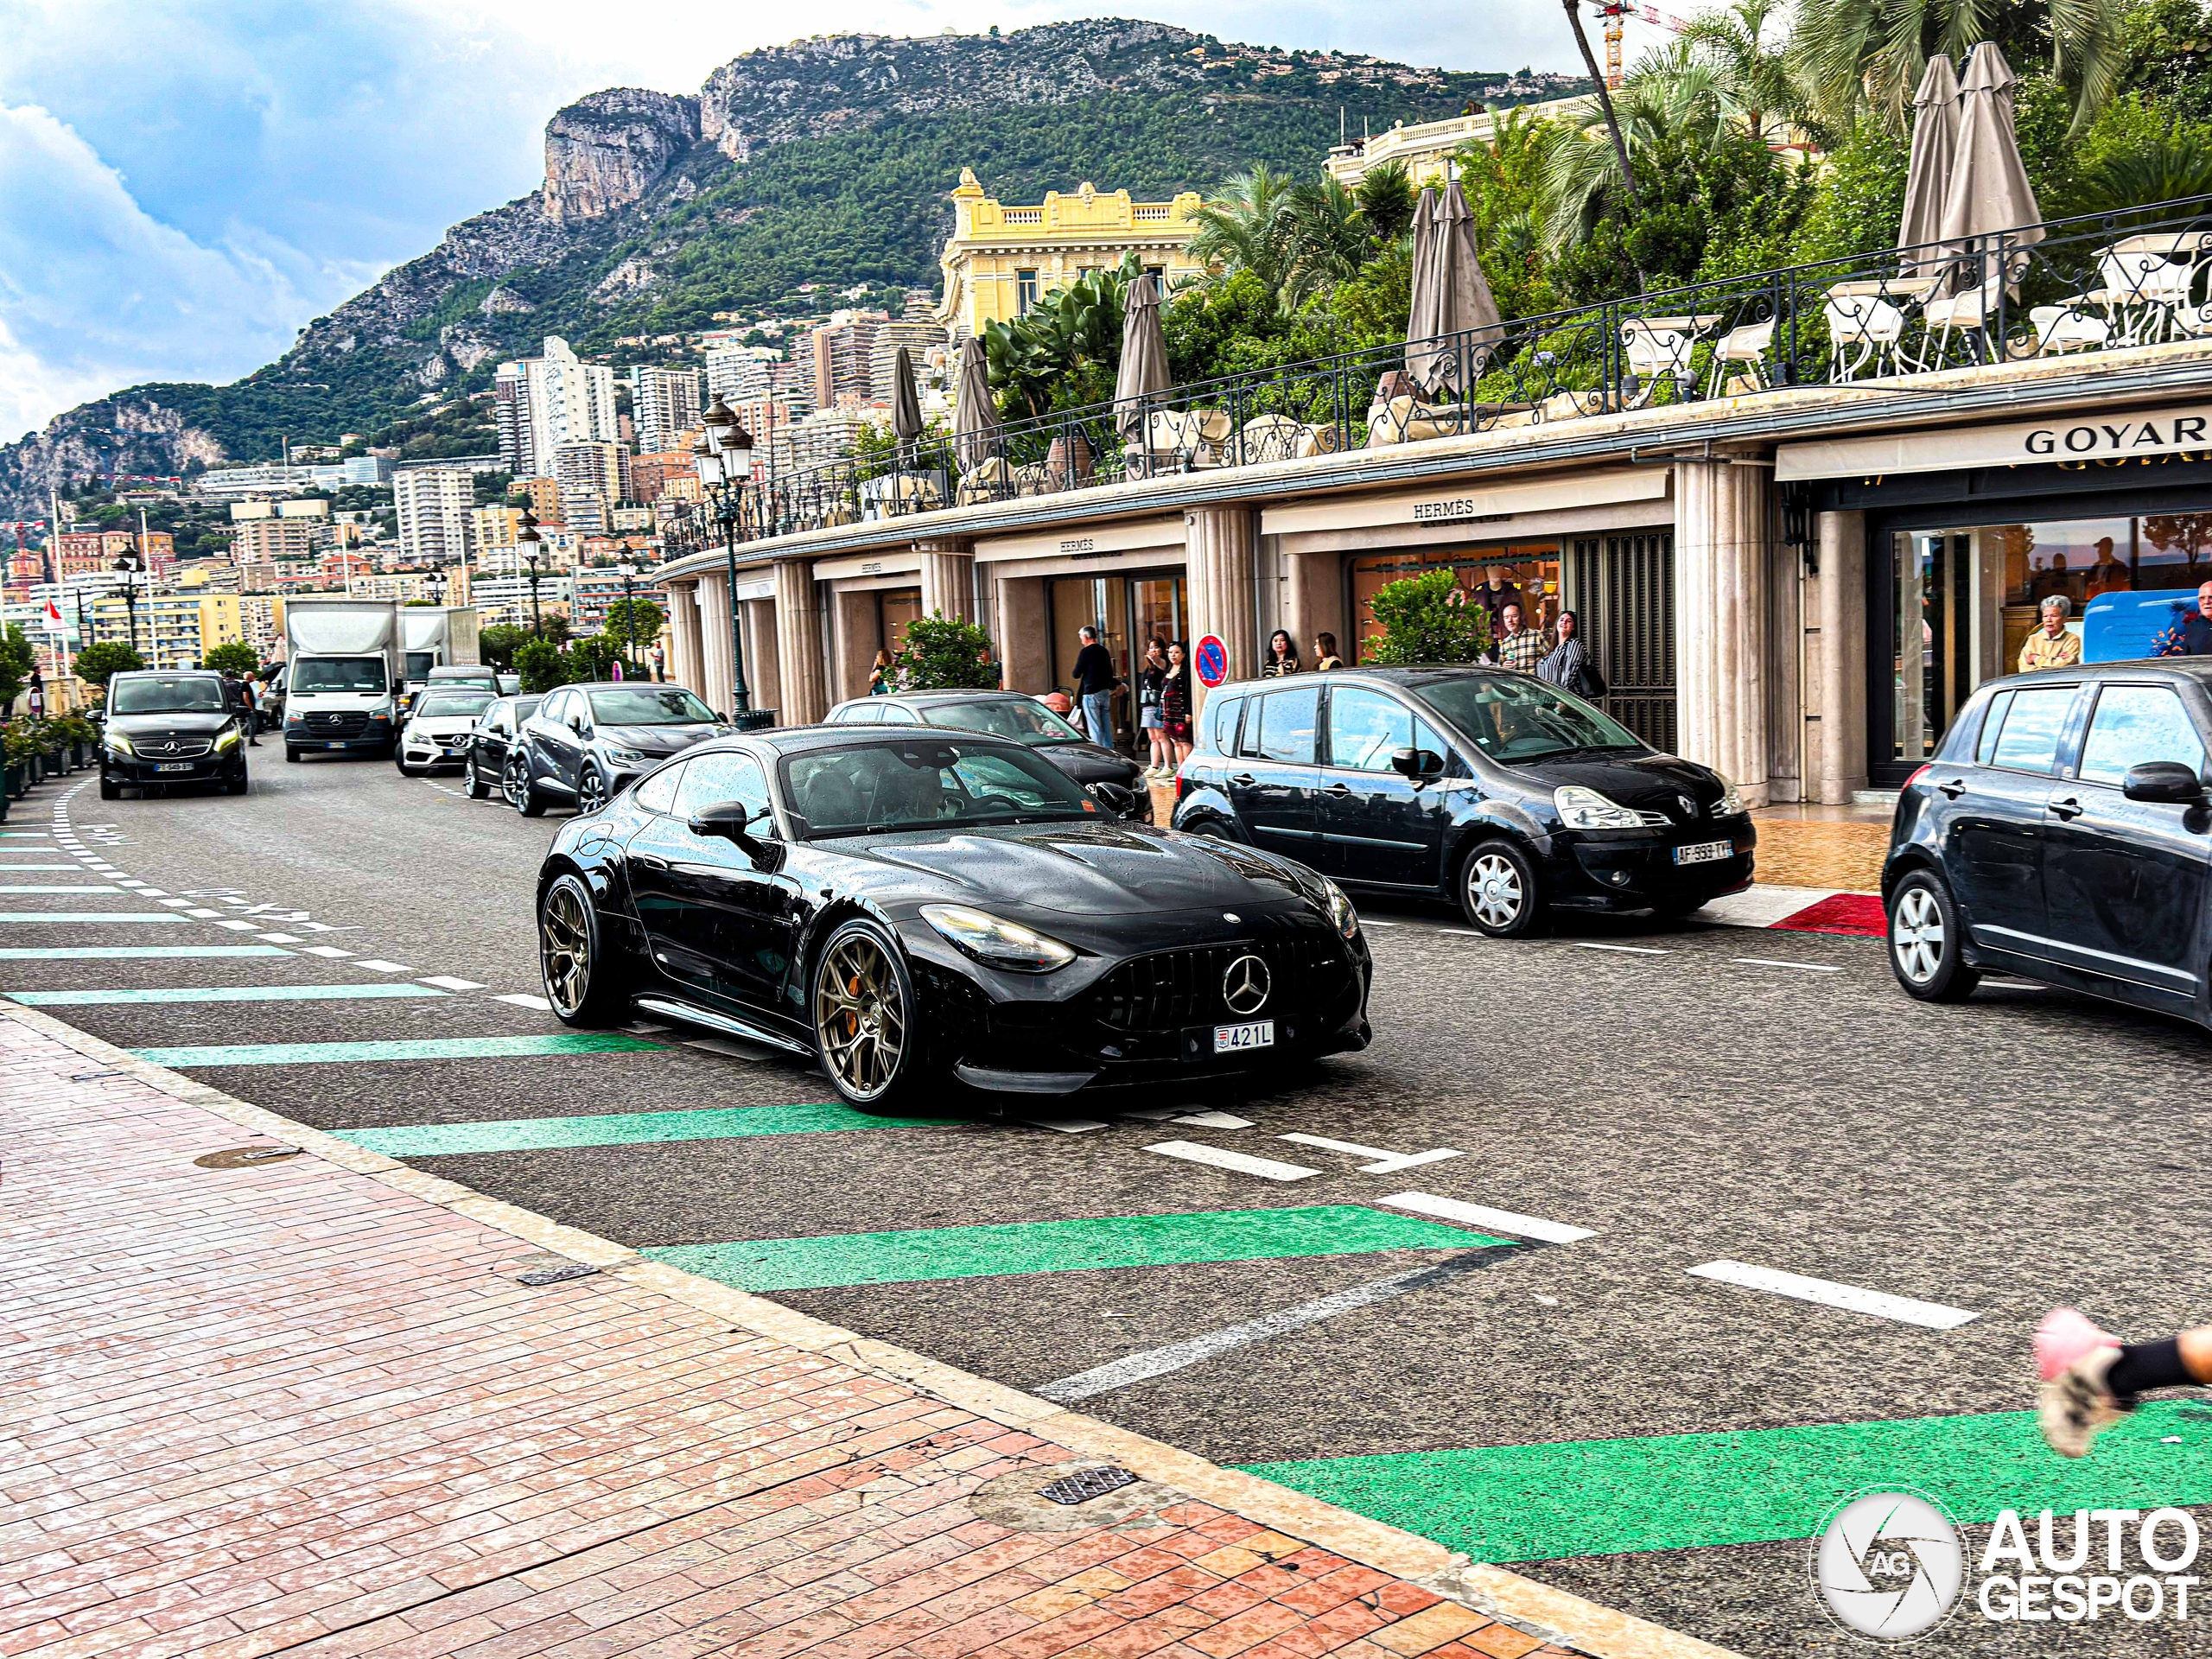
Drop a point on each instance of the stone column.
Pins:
(685, 666)
(1223, 543)
(1835, 661)
(948, 579)
(1313, 602)
(763, 675)
(1722, 544)
(859, 625)
(1023, 645)
(799, 644)
(713, 685)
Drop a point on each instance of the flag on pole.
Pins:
(53, 614)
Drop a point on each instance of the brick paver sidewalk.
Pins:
(296, 1407)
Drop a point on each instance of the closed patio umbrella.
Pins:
(1144, 357)
(975, 416)
(1935, 143)
(905, 407)
(1469, 306)
(1425, 296)
(1989, 190)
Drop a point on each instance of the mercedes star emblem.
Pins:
(1244, 988)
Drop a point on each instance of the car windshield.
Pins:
(649, 705)
(1018, 718)
(337, 674)
(455, 681)
(876, 787)
(1516, 719)
(192, 695)
(442, 704)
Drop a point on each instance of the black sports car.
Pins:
(911, 905)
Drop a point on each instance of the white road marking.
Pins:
(447, 982)
(181, 904)
(1180, 1356)
(1214, 1120)
(1481, 1215)
(1762, 906)
(1385, 1163)
(1244, 1163)
(154, 892)
(1625, 950)
(520, 999)
(203, 914)
(1066, 1125)
(236, 927)
(377, 965)
(1801, 967)
(330, 951)
(1852, 1299)
(268, 938)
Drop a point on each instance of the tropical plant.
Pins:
(1246, 228)
(24, 738)
(1326, 236)
(1671, 101)
(17, 659)
(1387, 199)
(1426, 618)
(1756, 82)
(103, 659)
(2160, 166)
(941, 653)
(1063, 352)
(538, 664)
(498, 644)
(235, 657)
(1605, 96)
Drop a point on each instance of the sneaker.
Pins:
(2073, 1358)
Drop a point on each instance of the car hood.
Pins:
(178, 725)
(1089, 869)
(658, 740)
(442, 725)
(1655, 782)
(1088, 763)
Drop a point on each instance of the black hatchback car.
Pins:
(1116, 779)
(483, 762)
(585, 744)
(1496, 790)
(2063, 832)
(170, 726)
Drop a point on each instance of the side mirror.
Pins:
(1417, 764)
(2168, 782)
(727, 820)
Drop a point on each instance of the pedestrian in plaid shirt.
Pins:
(1518, 648)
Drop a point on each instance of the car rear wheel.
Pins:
(1927, 941)
(591, 791)
(583, 986)
(515, 784)
(1498, 891)
(864, 1018)
(477, 788)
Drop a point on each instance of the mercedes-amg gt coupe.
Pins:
(912, 907)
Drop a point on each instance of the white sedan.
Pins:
(436, 732)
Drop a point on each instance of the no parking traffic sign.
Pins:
(1212, 661)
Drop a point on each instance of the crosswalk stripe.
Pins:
(619, 1129)
(133, 952)
(215, 993)
(1852, 1299)
(432, 1048)
(28, 918)
(62, 886)
(6, 869)
(1061, 1247)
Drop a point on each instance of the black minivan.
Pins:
(2063, 833)
(1496, 790)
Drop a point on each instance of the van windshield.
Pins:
(338, 674)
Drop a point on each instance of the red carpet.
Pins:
(1842, 912)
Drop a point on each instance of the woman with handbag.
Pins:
(1151, 676)
(1569, 666)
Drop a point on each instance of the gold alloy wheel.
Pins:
(564, 948)
(860, 1015)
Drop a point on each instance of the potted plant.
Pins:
(82, 737)
(21, 746)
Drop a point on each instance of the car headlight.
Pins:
(1340, 910)
(120, 742)
(1730, 804)
(626, 757)
(1585, 809)
(998, 943)
(226, 739)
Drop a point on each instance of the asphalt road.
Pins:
(1565, 1395)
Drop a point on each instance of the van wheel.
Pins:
(1927, 941)
(1499, 893)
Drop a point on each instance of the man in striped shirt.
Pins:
(1518, 648)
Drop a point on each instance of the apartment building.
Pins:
(496, 527)
(169, 629)
(81, 552)
(843, 350)
(263, 533)
(542, 403)
(433, 505)
(663, 403)
(920, 332)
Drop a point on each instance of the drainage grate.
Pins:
(551, 1270)
(244, 1157)
(1087, 1483)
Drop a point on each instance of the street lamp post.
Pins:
(128, 565)
(533, 547)
(724, 457)
(629, 572)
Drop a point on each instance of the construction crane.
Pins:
(1616, 13)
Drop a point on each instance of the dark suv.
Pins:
(1115, 778)
(585, 744)
(174, 726)
(1496, 790)
(2063, 832)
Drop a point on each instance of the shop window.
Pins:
(1528, 575)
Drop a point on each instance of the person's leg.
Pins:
(2091, 1379)
(1098, 715)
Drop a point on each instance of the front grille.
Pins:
(335, 722)
(176, 748)
(1171, 990)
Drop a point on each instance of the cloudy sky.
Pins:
(184, 183)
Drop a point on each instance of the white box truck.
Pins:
(341, 675)
(436, 636)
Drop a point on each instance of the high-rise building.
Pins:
(843, 350)
(264, 531)
(918, 331)
(491, 527)
(589, 469)
(542, 403)
(434, 502)
(544, 492)
(663, 402)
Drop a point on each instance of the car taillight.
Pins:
(1919, 774)
(1182, 785)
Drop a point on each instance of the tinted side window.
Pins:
(657, 793)
(896, 713)
(1365, 728)
(2138, 723)
(554, 707)
(710, 779)
(1287, 723)
(856, 714)
(1221, 716)
(2029, 738)
(1992, 722)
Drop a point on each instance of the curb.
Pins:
(1538, 1608)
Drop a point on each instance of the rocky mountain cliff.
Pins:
(825, 160)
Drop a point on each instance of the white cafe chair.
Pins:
(1655, 355)
(2063, 329)
(1743, 347)
(1863, 330)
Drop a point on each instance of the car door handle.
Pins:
(1952, 790)
(648, 861)
(2066, 807)
(1244, 778)
(1337, 789)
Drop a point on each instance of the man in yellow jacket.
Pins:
(2051, 645)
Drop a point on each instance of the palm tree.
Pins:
(1673, 98)
(1325, 238)
(1604, 97)
(1869, 53)
(1757, 83)
(1247, 229)
(1386, 199)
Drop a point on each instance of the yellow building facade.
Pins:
(170, 629)
(1002, 259)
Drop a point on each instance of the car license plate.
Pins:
(333, 746)
(1253, 1033)
(173, 766)
(1706, 852)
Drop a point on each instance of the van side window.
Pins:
(1287, 723)
(1222, 715)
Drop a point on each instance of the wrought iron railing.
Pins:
(2062, 287)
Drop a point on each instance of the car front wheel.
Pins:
(477, 788)
(1927, 941)
(584, 987)
(864, 1018)
(1498, 891)
(521, 794)
(591, 792)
